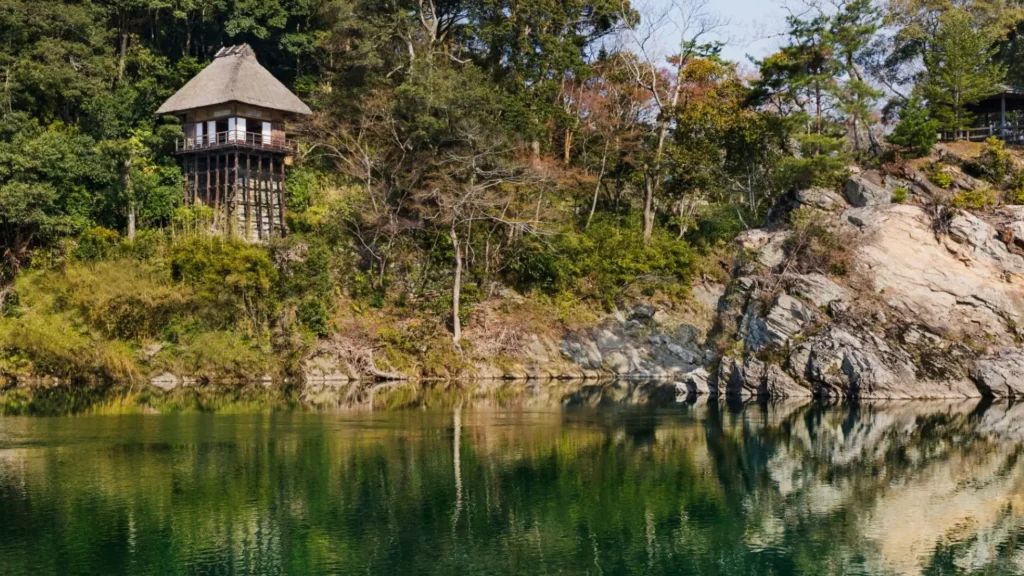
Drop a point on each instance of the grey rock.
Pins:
(697, 382)
(166, 381)
(951, 287)
(819, 289)
(1002, 374)
(821, 198)
(861, 190)
(982, 240)
(642, 312)
(787, 318)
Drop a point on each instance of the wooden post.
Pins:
(1002, 116)
(215, 198)
(259, 196)
(227, 188)
(270, 193)
(281, 200)
(234, 199)
(247, 198)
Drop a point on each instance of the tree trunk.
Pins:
(597, 187)
(131, 219)
(122, 54)
(648, 204)
(126, 182)
(456, 287)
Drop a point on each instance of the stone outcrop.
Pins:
(866, 189)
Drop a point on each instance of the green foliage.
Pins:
(822, 162)
(975, 199)
(97, 244)
(604, 261)
(960, 69)
(233, 279)
(995, 163)
(900, 194)
(916, 132)
(940, 177)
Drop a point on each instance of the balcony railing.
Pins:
(254, 140)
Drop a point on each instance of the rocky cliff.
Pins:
(928, 303)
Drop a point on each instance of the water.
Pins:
(912, 488)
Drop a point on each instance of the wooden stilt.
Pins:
(259, 196)
(232, 217)
(281, 200)
(270, 193)
(247, 198)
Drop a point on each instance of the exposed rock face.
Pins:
(906, 323)
(956, 285)
(787, 318)
(638, 347)
(866, 190)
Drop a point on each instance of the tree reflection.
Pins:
(698, 487)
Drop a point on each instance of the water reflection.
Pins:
(500, 487)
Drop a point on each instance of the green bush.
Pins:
(994, 164)
(941, 178)
(233, 279)
(822, 162)
(97, 244)
(975, 199)
(899, 195)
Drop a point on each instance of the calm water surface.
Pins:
(914, 488)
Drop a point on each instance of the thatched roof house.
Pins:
(234, 76)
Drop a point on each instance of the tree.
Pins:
(959, 68)
(916, 131)
(693, 22)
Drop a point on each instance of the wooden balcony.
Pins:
(234, 140)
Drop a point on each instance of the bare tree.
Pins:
(693, 24)
(477, 181)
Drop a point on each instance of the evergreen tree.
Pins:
(916, 131)
(960, 69)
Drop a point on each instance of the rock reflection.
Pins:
(555, 480)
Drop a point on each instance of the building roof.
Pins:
(1010, 96)
(234, 76)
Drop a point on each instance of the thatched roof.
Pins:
(234, 76)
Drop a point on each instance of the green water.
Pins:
(916, 488)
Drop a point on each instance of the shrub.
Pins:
(994, 164)
(900, 194)
(822, 162)
(941, 178)
(975, 199)
(813, 246)
(1015, 195)
(604, 261)
(233, 278)
(97, 244)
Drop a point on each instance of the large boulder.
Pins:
(821, 198)
(1002, 374)
(866, 190)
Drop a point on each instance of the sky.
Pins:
(751, 27)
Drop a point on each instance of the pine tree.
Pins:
(916, 131)
(959, 69)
